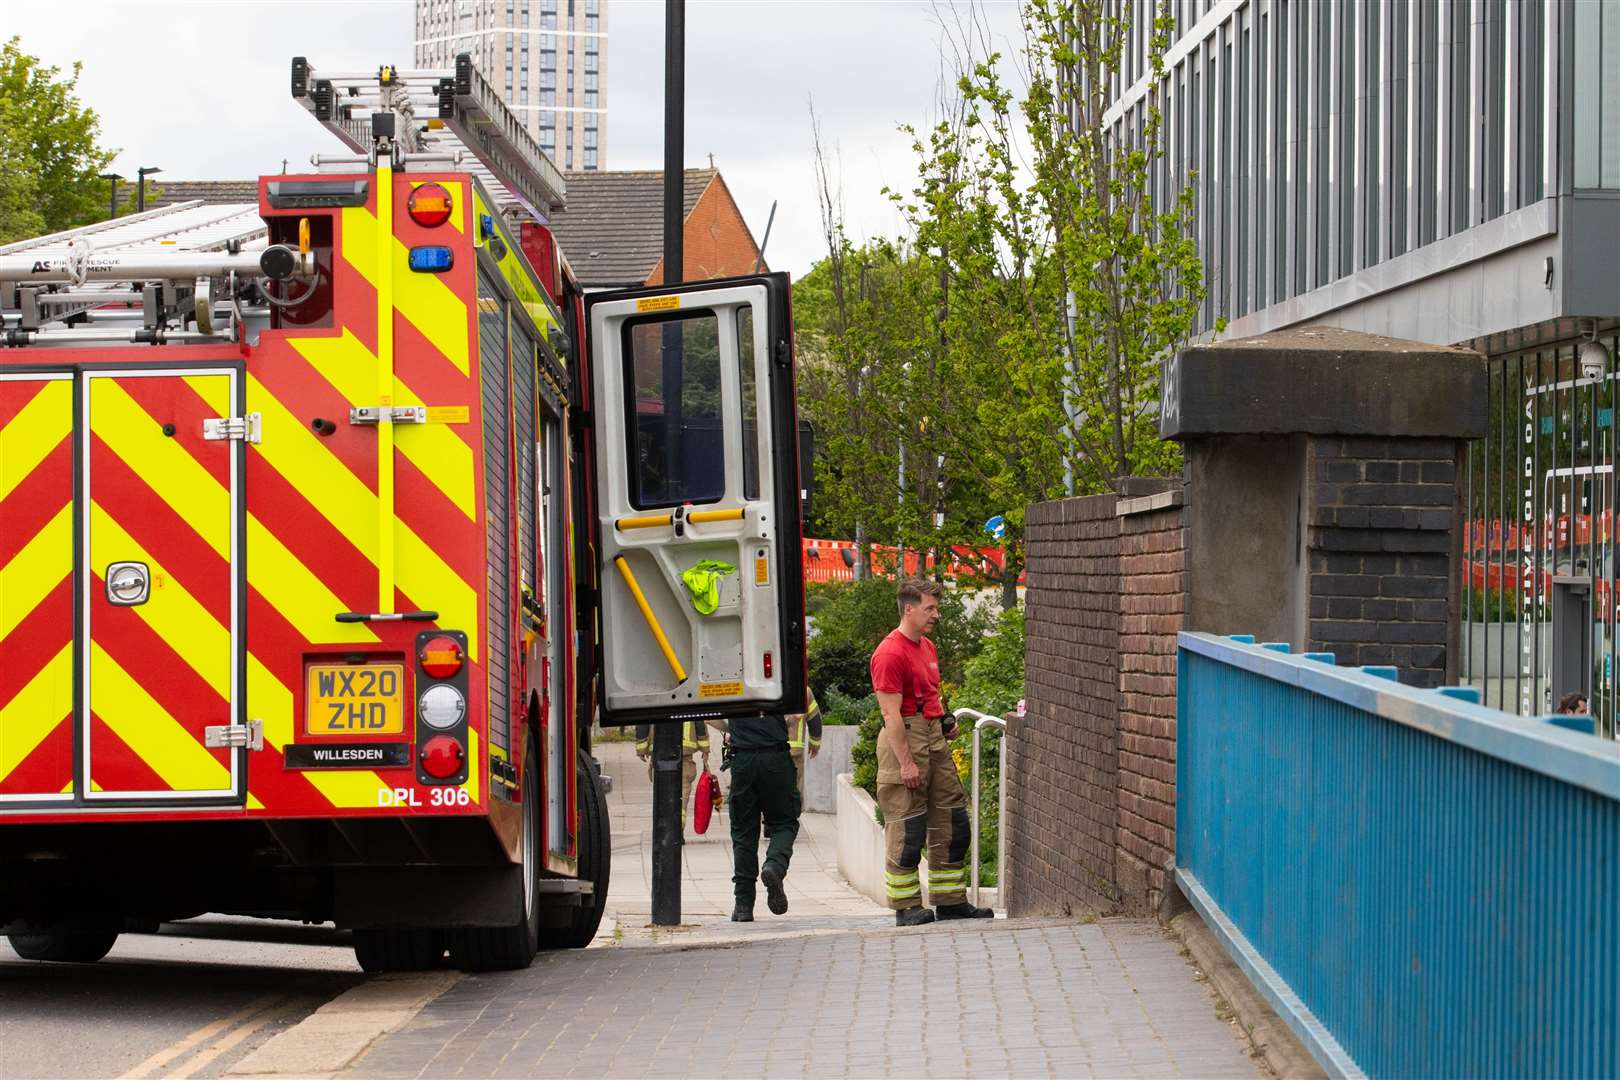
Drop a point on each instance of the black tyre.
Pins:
(399, 950)
(510, 948)
(64, 946)
(595, 859)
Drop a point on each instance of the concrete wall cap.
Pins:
(1323, 380)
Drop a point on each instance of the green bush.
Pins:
(840, 667)
(994, 679)
(838, 709)
(850, 618)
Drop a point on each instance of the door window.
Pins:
(747, 375)
(675, 424)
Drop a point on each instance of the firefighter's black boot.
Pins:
(742, 912)
(775, 895)
(964, 910)
(913, 916)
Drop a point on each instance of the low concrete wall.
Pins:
(861, 853)
(822, 771)
(860, 840)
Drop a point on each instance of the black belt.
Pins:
(777, 748)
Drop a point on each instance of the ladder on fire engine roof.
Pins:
(90, 271)
(454, 115)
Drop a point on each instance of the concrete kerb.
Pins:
(340, 1031)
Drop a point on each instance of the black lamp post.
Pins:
(112, 198)
(140, 192)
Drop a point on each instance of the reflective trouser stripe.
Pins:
(902, 886)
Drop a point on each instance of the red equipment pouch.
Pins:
(705, 797)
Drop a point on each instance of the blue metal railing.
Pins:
(1421, 886)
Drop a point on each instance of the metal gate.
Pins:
(1539, 598)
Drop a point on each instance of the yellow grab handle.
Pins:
(646, 521)
(700, 516)
(652, 620)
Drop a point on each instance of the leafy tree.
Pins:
(1007, 347)
(50, 150)
(850, 619)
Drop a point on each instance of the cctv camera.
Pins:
(1594, 360)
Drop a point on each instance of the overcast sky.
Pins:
(200, 88)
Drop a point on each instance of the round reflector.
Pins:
(442, 757)
(429, 205)
(441, 707)
(440, 657)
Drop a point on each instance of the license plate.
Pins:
(345, 699)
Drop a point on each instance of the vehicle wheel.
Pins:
(510, 948)
(595, 857)
(64, 946)
(398, 950)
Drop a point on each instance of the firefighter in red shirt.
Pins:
(918, 789)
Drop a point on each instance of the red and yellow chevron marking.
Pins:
(159, 672)
(314, 517)
(36, 587)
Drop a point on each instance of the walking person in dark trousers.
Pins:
(764, 790)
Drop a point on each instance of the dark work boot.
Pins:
(742, 912)
(775, 895)
(964, 910)
(913, 916)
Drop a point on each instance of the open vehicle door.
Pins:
(698, 505)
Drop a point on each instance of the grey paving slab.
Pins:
(833, 989)
(745, 1010)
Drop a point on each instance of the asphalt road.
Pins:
(188, 1001)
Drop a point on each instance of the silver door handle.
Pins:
(128, 583)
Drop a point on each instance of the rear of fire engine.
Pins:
(329, 524)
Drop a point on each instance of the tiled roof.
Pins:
(209, 191)
(613, 230)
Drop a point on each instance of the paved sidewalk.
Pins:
(1015, 998)
(818, 897)
(832, 989)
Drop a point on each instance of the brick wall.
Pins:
(1152, 610)
(715, 241)
(1380, 540)
(1061, 772)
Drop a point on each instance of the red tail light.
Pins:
(429, 206)
(769, 665)
(441, 657)
(442, 757)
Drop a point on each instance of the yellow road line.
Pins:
(163, 1057)
(234, 1038)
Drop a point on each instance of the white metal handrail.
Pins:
(981, 720)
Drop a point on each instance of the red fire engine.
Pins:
(329, 524)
